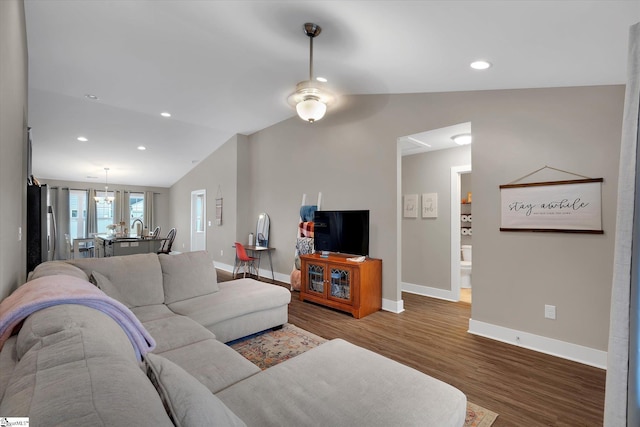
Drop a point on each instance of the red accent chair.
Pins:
(242, 259)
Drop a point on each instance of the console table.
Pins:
(355, 287)
(257, 251)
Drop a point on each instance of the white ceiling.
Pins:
(432, 140)
(227, 67)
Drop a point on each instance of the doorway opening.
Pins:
(429, 170)
(461, 231)
(198, 218)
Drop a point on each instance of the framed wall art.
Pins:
(410, 206)
(429, 205)
(573, 206)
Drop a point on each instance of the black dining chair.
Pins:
(165, 248)
(156, 232)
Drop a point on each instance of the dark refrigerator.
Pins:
(41, 227)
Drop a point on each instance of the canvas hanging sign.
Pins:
(573, 206)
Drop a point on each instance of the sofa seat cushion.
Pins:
(138, 278)
(187, 275)
(188, 402)
(175, 332)
(146, 313)
(340, 384)
(236, 298)
(214, 364)
(76, 367)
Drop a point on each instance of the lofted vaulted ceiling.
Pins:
(226, 67)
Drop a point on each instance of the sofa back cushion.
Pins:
(187, 401)
(105, 285)
(138, 278)
(53, 268)
(187, 275)
(77, 367)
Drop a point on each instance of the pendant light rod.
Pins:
(310, 58)
(311, 30)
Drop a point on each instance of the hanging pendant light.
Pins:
(310, 97)
(106, 199)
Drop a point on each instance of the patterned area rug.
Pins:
(477, 416)
(266, 349)
(269, 348)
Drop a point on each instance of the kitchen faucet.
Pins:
(141, 226)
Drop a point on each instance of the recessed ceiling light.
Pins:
(321, 79)
(91, 177)
(194, 161)
(91, 97)
(165, 114)
(480, 65)
(462, 139)
(82, 138)
(141, 147)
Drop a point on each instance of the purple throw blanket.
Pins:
(61, 289)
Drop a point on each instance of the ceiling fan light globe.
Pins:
(311, 110)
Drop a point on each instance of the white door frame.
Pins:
(456, 171)
(198, 237)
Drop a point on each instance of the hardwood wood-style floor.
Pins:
(524, 387)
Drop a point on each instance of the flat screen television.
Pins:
(344, 232)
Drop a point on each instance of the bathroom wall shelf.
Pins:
(465, 219)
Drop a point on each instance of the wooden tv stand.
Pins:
(355, 287)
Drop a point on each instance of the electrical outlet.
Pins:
(221, 252)
(550, 312)
(19, 234)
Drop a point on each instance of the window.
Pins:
(200, 213)
(78, 213)
(136, 210)
(104, 212)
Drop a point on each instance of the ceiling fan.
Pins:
(311, 97)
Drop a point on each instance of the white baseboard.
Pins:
(428, 291)
(565, 350)
(223, 267)
(393, 306)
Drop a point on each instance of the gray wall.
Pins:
(13, 125)
(516, 274)
(426, 242)
(160, 202)
(226, 170)
(351, 156)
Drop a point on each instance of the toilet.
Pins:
(465, 267)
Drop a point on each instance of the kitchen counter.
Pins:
(117, 246)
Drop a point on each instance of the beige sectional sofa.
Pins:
(73, 365)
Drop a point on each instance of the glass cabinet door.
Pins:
(315, 278)
(340, 282)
